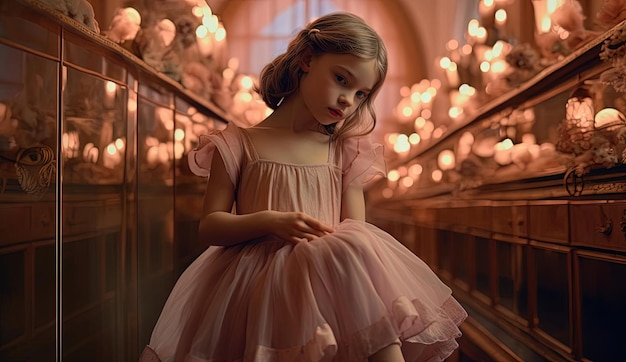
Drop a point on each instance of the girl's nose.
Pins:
(344, 100)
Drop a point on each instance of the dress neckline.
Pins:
(251, 151)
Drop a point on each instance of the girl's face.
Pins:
(335, 85)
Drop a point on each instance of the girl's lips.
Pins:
(336, 113)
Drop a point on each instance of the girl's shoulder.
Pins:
(361, 159)
(227, 141)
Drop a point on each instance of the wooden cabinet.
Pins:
(98, 209)
(535, 252)
(548, 221)
(599, 224)
(510, 218)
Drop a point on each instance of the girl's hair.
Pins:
(337, 33)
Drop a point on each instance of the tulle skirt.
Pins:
(341, 297)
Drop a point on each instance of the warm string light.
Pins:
(472, 72)
(543, 10)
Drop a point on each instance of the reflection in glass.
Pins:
(28, 130)
(40, 36)
(94, 132)
(28, 121)
(93, 146)
(190, 124)
(155, 207)
(122, 146)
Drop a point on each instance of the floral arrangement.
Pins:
(614, 50)
(600, 142)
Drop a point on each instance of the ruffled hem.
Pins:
(341, 297)
(434, 342)
(320, 347)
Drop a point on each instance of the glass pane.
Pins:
(90, 322)
(602, 301)
(27, 29)
(28, 119)
(481, 257)
(461, 251)
(43, 345)
(94, 152)
(189, 125)
(13, 292)
(94, 130)
(81, 297)
(155, 207)
(553, 293)
(86, 55)
(512, 281)
(444, 251)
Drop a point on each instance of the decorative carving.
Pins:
(35, 168)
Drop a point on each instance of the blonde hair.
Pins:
(337, 33)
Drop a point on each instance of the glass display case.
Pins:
(523, 206)
(98, 208)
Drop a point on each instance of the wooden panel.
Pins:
(548, 221)
(44, 291)
(510, 219)
(597, 224)
(43, 220)
(81, 217)
(25, 222)
(478, 216)
(14, 223)
(552, 291)
(461, 218)
(13, 296)
(601, 304)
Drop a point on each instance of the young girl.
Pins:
(296, 274)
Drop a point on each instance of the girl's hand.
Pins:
(295, 227)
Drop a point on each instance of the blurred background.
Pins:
(504, 132)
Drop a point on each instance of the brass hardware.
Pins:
(607, 224)
(574, 183)
(607, 227)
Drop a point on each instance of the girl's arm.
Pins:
(220, 227)
(353, 202)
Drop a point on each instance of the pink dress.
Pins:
(340, 297)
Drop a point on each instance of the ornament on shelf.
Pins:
(591, 139)
(79, 10)
(613, 50)
(124, 26)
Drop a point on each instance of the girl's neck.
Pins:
(292, 114)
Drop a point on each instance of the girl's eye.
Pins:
(340, 79)
(361, 95)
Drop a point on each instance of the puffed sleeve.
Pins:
(362, 160)
(229, 145)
